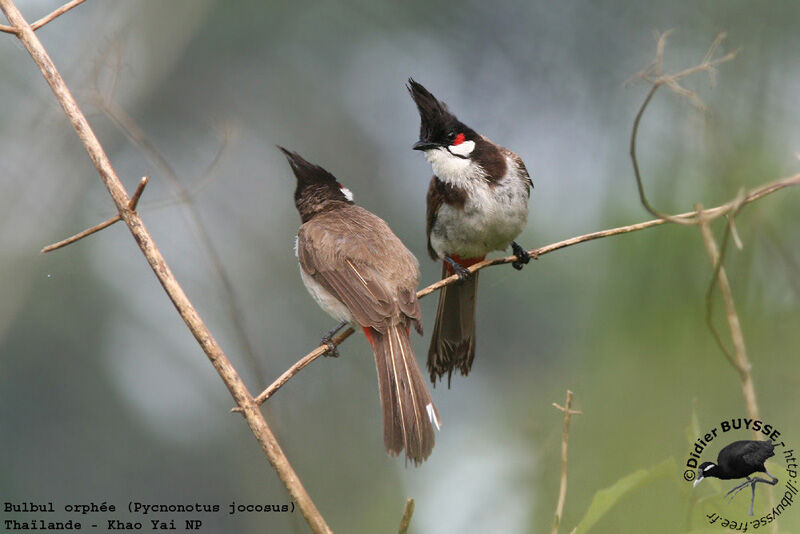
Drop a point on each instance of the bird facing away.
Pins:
(737, 460)
(477, 203)
(360, 272)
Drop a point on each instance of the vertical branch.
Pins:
(188, 313)
(405, 520)
(562, 492)
(741, 361)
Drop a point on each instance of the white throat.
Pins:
(460, 172)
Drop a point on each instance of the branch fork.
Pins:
(105, 224)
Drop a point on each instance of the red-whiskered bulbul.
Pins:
(477, 203)
(360, 272)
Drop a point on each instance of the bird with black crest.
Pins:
(360, 272)
(477, 202)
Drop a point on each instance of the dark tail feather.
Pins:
(408, 410)
(453, 339)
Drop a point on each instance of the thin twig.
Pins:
(187, 311)
(44, 20)
(562, 492)
(297, 367)
(742, 362)
(405, 521)
(708, 214)
(655, 76)
(729, 231)
(105, 224)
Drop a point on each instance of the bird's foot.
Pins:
(462, 272)
(523, 256)
(327, 340)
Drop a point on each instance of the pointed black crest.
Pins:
(306, 172)
(435, 118)
(317, 190)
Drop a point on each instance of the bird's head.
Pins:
(316, 187)
(447, 142)
(705, 469)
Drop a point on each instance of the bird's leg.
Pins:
(764, 481)
(523, 256)
(756, 480)
(462, 272)
(737, 489)
(327, 339)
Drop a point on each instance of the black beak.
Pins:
(424, 145)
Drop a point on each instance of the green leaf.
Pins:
(605, 499)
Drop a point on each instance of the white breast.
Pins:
(492, 217)
(325, 299)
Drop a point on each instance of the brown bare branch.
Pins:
(105, 224)
(708, 214)
(297, 367)
(562, 492)
(742, 362)
(44, 20)
(188, 313)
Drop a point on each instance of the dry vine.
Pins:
(655, 76)
(741, 363)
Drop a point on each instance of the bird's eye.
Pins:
(460, 138)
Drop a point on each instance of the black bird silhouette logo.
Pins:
(740, 459)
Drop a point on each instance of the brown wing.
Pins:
(355, 256)
(520, 165)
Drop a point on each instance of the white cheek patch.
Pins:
(707, 468)
(462, 149)
(296, 238)
(347, 193)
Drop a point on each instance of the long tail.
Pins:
(453, 340)
(408, 410)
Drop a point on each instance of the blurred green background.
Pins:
(105, 396)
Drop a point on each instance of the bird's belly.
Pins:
(490, 220)
(333, 306)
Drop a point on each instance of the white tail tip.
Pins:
(432, 416)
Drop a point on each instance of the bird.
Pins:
(477, 202)
(740, 459)
(359, 272)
